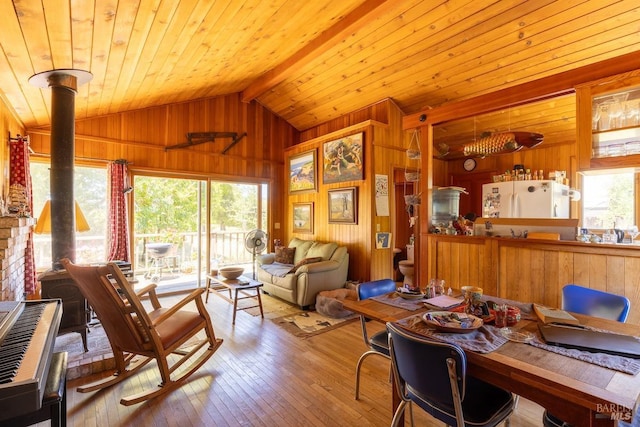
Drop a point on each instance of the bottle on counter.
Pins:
(428, 292)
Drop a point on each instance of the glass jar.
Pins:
(513, 315)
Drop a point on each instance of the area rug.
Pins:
(309, 323)
(271, 306)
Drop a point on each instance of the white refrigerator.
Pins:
(525, 199)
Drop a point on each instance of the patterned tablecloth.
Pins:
(397, 301)
(488, 338)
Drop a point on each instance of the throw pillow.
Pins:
(305, 262)
(285, 255)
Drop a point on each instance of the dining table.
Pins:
(581, 392)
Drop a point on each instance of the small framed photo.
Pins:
(302, 172)
(343, 206)
(383, 240)
(303, 217)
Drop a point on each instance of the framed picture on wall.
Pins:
(342, 159)
(383, 240)
(343, 206)
(303, 217)
(302, 172)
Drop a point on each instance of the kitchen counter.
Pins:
(518, 227)
(531, 269)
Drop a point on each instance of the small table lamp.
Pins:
(44, 220)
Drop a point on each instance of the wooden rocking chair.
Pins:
(133, 331)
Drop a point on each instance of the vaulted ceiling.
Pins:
(307, 61)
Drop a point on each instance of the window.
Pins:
(170, 243)
(90, 191)
(236, 209)
(608, 200)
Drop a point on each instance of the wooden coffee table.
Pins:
(239, 289)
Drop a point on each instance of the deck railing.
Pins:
(227, 248)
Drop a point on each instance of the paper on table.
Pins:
(443, 301)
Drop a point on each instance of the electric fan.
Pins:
(255, 242)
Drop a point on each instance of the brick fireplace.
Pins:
(14, 234)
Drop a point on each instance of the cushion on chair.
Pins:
(482, 403)
(339, 253)
(482, 399)
(277, 269)
(549, 420)
(323, 250)
(380, 342)
(302, 246)
(174, 328)
(285, 255)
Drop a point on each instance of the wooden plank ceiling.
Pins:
(307, 61)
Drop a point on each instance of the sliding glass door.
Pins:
(170, 227)
(167, 224)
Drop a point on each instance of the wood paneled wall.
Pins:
(143, 137)
(536, 271)
(556, 154)
(385, 147)
(388, 153)
(462, 262)
(546, 157)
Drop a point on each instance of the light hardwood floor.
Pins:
(264, 376)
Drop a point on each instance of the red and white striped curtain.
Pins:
(20, 174)
(118, 217)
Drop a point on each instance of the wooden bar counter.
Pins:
(531, 269)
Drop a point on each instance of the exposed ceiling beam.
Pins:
(536, 90)
(353, 22)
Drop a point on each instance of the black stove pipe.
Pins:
(63, 84)
(63, 220)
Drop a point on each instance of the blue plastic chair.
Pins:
(592, 302)
(433, 375)
(378, 343)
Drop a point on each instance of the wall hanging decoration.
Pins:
(490, 143)
(343, 206)
(382, 195)
(383, 240)
(343, 159)
(303, 217)
(302, 172)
